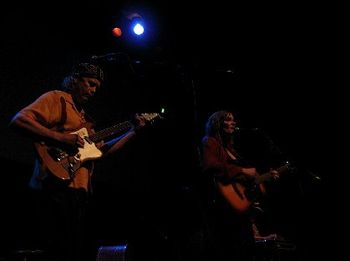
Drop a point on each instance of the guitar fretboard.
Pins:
(268, 176)
(122, 127)
(110, 131)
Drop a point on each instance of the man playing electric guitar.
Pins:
(59, 118)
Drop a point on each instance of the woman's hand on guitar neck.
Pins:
(275, 174)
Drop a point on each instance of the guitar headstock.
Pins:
(284, 167)
(151, 117)
(287, 166)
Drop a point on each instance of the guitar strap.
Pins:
(230, 154)
(63, 115)
(236, 179)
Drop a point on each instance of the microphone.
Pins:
(246, 129)
(107, 57)
(313, 175)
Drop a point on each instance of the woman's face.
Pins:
(229, 123)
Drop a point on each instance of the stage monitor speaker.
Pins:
(112, 253)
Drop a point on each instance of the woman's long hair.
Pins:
(215, 128)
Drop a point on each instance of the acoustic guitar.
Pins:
(243, 191)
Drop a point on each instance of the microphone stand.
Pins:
(275, 150)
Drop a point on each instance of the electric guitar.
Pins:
(243, 191)
(63, 161)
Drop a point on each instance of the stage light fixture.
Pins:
(137, 24)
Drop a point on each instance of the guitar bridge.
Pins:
(57, 154)
(73, 165)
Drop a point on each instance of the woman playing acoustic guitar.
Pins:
(236, 185)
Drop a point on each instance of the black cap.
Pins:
(88, 70)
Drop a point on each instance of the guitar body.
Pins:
(236, 195)
(64, 162)
(243, 192)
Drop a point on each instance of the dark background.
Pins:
(275, 65)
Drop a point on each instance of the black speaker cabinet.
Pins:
(112, 253)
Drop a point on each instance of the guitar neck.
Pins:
(110, 131)
(262, 178)
(268, 176)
